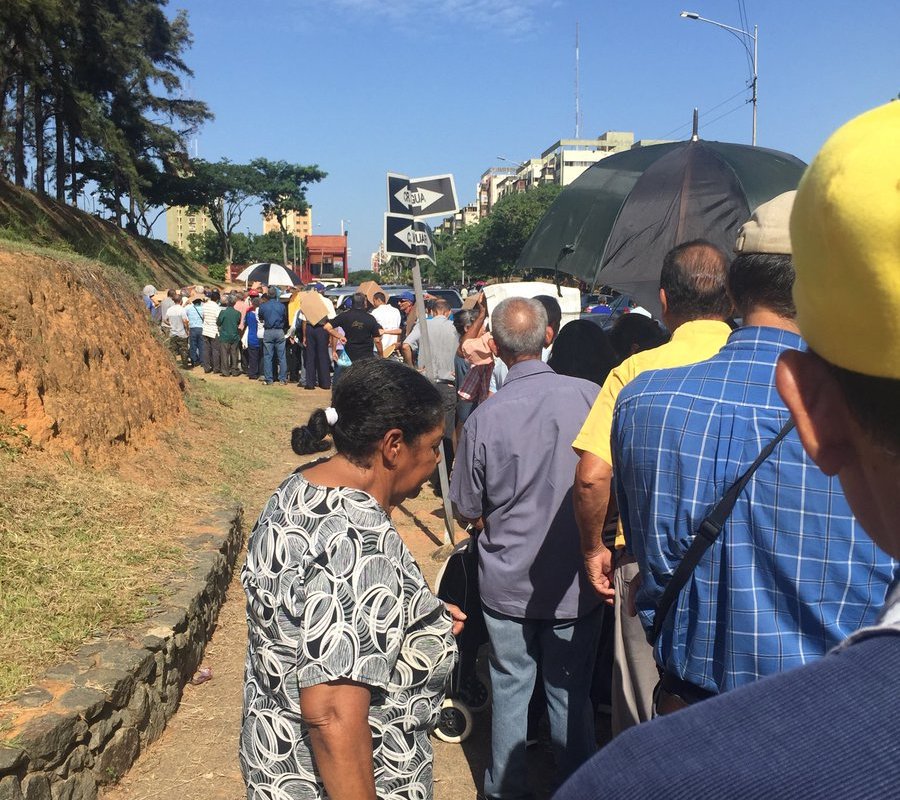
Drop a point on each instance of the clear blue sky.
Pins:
(363, 87)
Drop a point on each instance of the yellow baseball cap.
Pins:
(845, 230)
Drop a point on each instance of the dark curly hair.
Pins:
(372, 397)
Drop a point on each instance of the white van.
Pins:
(570, 302)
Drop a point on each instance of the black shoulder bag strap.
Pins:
(707, 533)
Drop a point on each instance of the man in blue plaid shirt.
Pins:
(791, 574)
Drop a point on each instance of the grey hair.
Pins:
(519, 325)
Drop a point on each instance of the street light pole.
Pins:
(755, 78)
(739, 34)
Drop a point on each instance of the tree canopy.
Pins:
(91, 92)
(491, 247)
(281, 188)
(225, 191)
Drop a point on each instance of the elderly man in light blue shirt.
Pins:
(514, 470)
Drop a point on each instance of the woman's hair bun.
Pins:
(309, 438)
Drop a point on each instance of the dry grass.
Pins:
(84, 551)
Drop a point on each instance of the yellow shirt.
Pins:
(692, 342)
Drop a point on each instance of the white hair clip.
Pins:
(331, 416)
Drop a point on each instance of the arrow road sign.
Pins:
(421, 197)
(408, 237)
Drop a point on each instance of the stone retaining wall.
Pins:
(87, 719)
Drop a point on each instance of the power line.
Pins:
(721, 116)
(706, 112)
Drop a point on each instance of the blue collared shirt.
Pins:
(514, 467)
(792, 573)
(273, 315)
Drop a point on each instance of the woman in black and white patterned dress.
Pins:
(349, 651)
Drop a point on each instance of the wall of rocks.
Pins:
(87, 719)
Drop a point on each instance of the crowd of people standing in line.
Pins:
(255, 333)
(724, 500)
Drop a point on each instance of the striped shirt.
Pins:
(211, 312)
(792, 573)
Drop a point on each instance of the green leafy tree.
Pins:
(508, 228)
(267, 247)
(361, 275)
(281, 188)
(107, 76)
(225, 191)
(204, 247)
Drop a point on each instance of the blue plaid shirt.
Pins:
(792, 573)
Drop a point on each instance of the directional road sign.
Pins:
(421, 197)
(408, 237)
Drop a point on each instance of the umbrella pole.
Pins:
(431, 374)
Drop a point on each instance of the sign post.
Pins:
(407, 236)
(421, 197)
(431, 374)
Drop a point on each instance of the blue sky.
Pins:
(363, 87)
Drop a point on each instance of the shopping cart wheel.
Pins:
(475, 694)
(454, 723)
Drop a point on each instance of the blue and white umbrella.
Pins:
(269, 274)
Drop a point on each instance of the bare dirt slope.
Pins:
(80, 367)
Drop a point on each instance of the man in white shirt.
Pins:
(389, 319)
(177, 324)
(211, 352)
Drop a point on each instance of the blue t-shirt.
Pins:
(273, 315)
(251, 325)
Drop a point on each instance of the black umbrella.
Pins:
(627, 211)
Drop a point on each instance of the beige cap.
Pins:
(768, 229)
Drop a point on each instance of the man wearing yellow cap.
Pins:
(829, 728)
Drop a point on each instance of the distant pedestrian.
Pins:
(296, 346)
(211, 352)
(362, 331)
(273, 314)
(167, 301)
(230, 338)
(389, 319)
(146, 295)
(406, 302)
(178, 327)
(318, 364)
(444, 342)
(194, 311)
(251, 323)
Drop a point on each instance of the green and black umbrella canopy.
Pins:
(621, 217)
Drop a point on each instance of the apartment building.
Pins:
(562, 163)
(299, 225)
(181, 223)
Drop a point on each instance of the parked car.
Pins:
(453, 297)
(596, 303)
(615, 308)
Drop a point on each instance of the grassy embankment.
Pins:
(83, 551)
(26, 218)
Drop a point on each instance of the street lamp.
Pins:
(741, 35)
